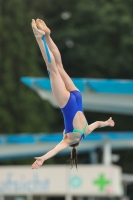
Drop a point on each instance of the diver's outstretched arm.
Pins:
(39, 160)
(99, 124)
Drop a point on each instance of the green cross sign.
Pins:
(102, 182)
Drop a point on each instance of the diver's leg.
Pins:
(53, 48)
(66, 78)
(59, 90)
(58, 87)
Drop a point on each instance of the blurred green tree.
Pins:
(21, 109)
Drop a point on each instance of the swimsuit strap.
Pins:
(81, 132)
(82, 137)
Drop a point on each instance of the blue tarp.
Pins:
(96, 85)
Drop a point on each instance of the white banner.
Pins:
(93, 180)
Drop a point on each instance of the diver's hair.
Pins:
(73, 158)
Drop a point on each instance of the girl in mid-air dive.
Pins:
(67, 96)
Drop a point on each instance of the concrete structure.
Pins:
(101, 95)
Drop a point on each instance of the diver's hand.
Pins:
(110, 122)
(39, 161)
(38, 33)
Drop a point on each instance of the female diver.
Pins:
(67, 96)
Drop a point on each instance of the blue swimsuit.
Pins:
(73, 105)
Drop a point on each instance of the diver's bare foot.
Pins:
(37, 32)
(42, 26)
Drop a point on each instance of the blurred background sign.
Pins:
(94, 180)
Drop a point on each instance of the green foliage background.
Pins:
(102, 32)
